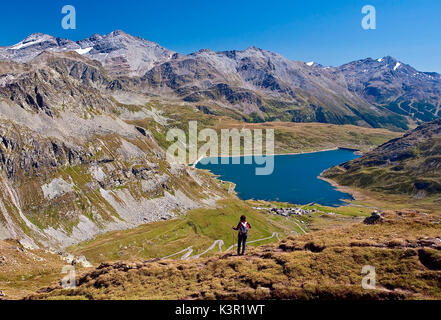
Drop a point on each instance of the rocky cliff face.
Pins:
(75, 162)
(409, 165)
(259, 84)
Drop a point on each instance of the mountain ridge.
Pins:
(408, 165)
(261, 85)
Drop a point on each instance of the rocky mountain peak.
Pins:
(117, 33)
(120, 53)
(388, 60)
(125, 55)
(95, 37)
(253, 48)
(206, 51)
(391, 63)
(32, 40)
(37, 36)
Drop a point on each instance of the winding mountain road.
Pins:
(187, 253)
(300, 227)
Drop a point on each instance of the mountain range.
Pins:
(257, 85)
(82, 131)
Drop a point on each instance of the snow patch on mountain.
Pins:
(30, 41)
(83, 51)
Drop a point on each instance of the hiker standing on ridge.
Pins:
(243, 228)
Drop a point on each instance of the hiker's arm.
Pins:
(249, 226)
(237, 228)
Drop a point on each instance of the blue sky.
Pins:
(328, 32)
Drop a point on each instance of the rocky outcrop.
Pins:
(375, 218)
(22, 153)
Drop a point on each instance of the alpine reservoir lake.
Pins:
(294, 180)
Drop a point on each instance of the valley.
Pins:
(85, 176)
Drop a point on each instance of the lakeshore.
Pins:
(295, 178)
(274, 154)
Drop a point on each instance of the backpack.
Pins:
(243, 228)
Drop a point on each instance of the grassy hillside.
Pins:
(290, 137)
(23, 271)
(410, 165)
(403, 249)
(199, 228)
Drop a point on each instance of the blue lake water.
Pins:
(295, 178)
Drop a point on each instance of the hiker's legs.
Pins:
(239, 243)
(244, 243)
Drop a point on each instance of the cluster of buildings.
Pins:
(292, 211)
(285, 212)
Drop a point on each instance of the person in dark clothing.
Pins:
(243, 228)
